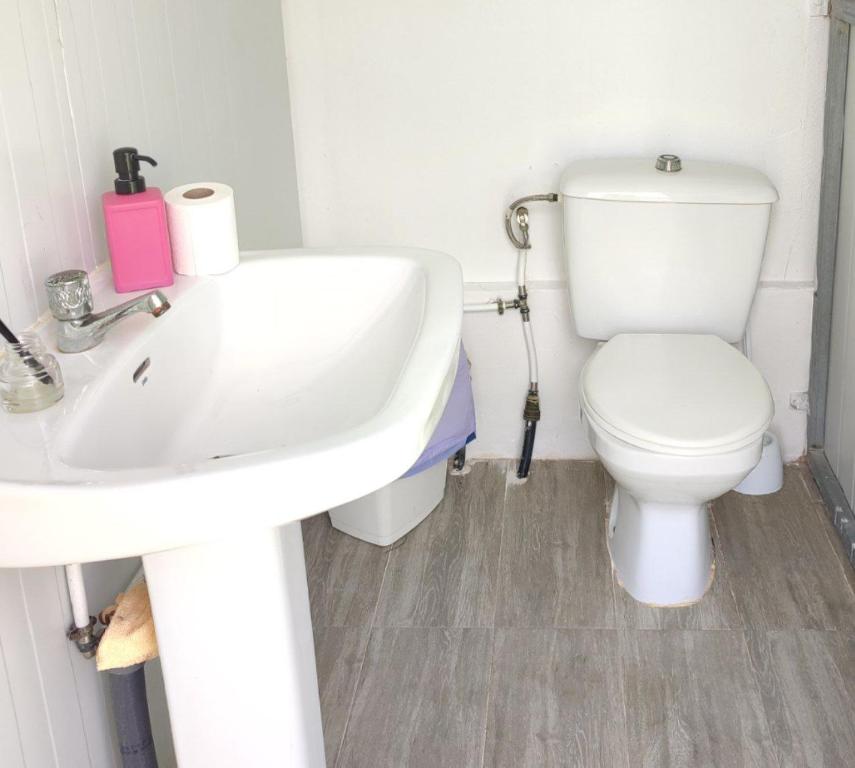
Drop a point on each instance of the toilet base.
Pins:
(662, 553)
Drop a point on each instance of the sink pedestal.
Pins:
(235, 636)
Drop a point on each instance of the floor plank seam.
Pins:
(758, 683)
(487, 698)
(492, 628)
(508, 466)
(622, 681)
(360, 675)
(719, 555)
(339, 755)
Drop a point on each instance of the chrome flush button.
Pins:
(668, 163)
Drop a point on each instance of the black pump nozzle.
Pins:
(127, 163)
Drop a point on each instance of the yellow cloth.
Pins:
(130, 637)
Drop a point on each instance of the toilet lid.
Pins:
(676, 393)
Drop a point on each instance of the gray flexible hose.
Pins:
(130, 711)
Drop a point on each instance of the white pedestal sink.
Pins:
(299, 381)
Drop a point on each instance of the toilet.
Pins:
(663, 259)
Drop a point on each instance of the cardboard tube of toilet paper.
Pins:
(202, 228)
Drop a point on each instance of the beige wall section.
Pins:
(202, 87)
(418, 123)
(840, 413)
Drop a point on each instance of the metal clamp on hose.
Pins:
(531, 411)
(85, 638)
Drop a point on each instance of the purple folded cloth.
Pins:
(456, 428)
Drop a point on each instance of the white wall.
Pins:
(203, 88)
(199, 86)
(418, 123)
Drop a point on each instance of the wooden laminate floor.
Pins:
(496, 635)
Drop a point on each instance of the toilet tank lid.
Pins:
(634, 179)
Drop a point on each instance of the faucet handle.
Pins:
(69, 294)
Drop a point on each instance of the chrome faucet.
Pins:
(70, 301)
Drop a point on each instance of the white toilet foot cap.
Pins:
(768, 475)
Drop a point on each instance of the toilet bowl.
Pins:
(677, 420)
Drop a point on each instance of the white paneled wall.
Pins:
(53, 706)
(200, 86)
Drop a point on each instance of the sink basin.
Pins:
(308, 377)
(299, 381)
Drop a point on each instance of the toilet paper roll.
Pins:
(202, 228)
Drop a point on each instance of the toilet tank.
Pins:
(649, 251)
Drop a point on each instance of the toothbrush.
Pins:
(41, 374)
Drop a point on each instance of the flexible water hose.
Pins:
(531, 351)
(531, 412)
(527, 449)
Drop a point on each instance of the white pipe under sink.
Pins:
(77, 595)
(485, 306)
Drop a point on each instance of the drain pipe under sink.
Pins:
(127, 643)
(130, 712)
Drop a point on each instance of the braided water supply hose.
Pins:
(515, 209)
(531, 415)
(531, 411)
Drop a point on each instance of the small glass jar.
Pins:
(30, 378)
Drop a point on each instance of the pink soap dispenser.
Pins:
(137, 235)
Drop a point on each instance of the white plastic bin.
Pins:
(392, 511)
(385, 515)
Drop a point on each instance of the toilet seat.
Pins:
(681, 394)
